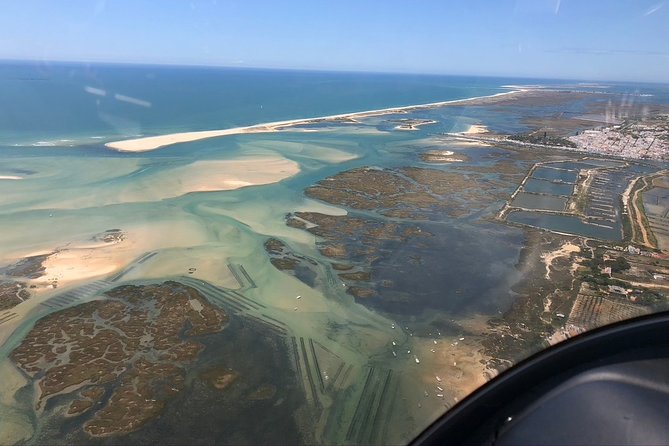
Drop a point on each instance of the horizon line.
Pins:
(319, 70)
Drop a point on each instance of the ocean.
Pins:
(51, 102)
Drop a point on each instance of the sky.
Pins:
(568, 39)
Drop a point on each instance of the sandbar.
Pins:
(442, 156)
(218, 175)
(476, 129)
(175, 181)
(207, 176)
(75, 263)
(148, 143)
(10, 177)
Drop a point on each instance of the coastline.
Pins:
(149, 143)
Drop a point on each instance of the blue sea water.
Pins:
(51, 101)
(46, 101)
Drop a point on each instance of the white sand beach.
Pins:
(148, 143)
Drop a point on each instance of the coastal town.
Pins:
(632, 139)
(617, 266)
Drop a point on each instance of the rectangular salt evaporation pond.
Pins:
(604, 163)
(567, 224)
(547, 187)
(584, 164)
(534, 201)
(550, 174)
(574, 165)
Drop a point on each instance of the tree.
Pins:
(618, 265)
